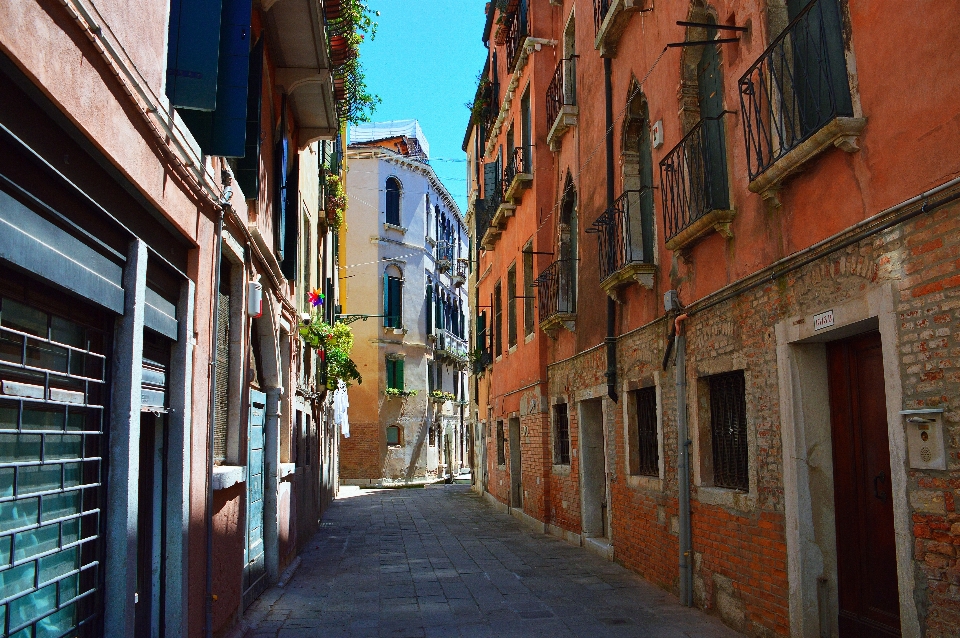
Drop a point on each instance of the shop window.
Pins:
(728, 426)
(561, 435)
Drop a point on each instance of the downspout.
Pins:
(683, 442)
(611, 339)
(208, 623)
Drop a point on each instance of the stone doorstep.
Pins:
(566, 119)
(716, 220)
(841, 132)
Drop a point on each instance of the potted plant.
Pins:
(396, 392)
(439, 396)
(335, 201)
(335, 342)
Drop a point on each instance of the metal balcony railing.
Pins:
(555, 289)
(481, 217)
(562, 90)
(600, 8)
(516, 31)
(450, 345)
(693, 176)
(445, 253)
(797, 86)
(622, 238)
(517, 164)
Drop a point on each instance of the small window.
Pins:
(393, 435)
(392, 298)
(561, 435)
(497, 320)
(512, 306)
(393, 201)
(501, 452)
(728, 424)
(395, 374)
(647, 446)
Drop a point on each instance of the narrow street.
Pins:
(442, 562)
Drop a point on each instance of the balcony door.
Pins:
(819, 74)
(710, 102)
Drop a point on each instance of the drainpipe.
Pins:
(611, 339)
(683, 441)
(208, 623)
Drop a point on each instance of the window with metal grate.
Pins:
(647, 446)
(561, 435)
(222, 396)
(501, 451)
(728, 422)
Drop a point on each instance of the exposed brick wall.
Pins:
(361, 454)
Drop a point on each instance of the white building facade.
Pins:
(407, 263)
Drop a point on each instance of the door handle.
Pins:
(879, 478)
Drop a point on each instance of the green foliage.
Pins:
(440, 395)
(480, 101)
(396, 392)
(337, 342)
(355, 22)
(335, 200)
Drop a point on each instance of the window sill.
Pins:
(512, 349)
(225, 476)
(561, 469)
(395, 228)
(716, 220)
(733, 499)
(552, 324)
(286, 469)
(642, 482)
(530, 337)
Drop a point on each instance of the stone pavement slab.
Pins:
(442, 563)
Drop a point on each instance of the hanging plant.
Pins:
(441, 396)
(355, 103)
(396, 392)
(336, 342)
(335, 202)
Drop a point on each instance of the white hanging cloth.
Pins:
(340, 404)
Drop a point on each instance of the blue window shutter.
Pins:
(193, 54)
(248, 167)
(291, 223)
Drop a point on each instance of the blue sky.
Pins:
(424, 64)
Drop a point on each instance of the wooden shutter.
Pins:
(490, 171)
(289, 265)
(193, 53)
(248, 167)
(399, 373)
(429, 309)
(387, 321)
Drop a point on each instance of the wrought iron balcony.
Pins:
(555, 295)
(450, 346)
(610, 18)
(516, 31)
(484, 362)
(795, 99)
(517, 174)
(459, 276)
(562, 100)
(693, 185)
(445, 253)
(625, 236)
(600, 8)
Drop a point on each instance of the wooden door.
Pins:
(866, 547)
(254, 571)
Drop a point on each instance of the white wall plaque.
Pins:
(823, 320)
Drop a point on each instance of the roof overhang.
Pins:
(298, 43)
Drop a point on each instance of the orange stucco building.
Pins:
(715, 295)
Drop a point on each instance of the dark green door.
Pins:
(713, 172)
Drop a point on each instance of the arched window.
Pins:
(392, 297)
(393, 201)
(568, 235)
(637, 166)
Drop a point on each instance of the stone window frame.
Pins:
(399, 429)
(701, 433)
(642, 481)
(563, 469)
(501, 444)
(233, 254)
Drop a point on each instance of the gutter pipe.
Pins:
(683, 442)
(611, 339)
(208, 599)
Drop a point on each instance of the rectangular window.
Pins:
(223, 366)
(647, 446)
(561, 435)
(728, 424)
(528, 320)
(395, 374)
(393, 435)
(512, 306)
(501, 451)
(497, 320)
(392, 302)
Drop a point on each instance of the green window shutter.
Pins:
(289, 266)
(396, 302)
(248, 166)
(390, 383)
(399, 373)
(193, 53)
(387, 321)
(429, 309)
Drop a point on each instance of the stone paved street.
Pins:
(440, 562)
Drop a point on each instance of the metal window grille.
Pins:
(648, 453)
(52, 374)
(561, 435)
(501, 452)
(222, 363)
(728, 421)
